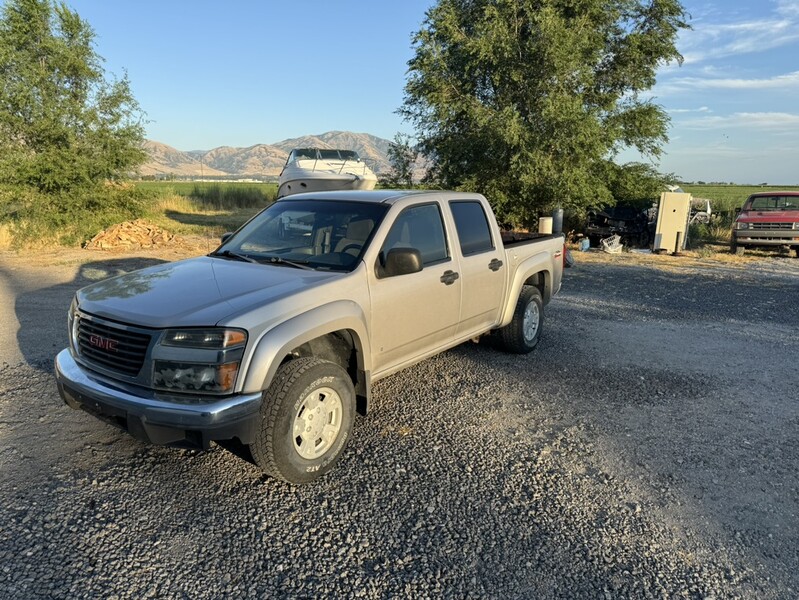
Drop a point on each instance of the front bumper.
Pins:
(766, 237)
(154, 420)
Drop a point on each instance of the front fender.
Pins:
(274, 344)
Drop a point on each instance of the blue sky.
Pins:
(241, 73)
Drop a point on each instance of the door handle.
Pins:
(495, 265)
(449, 277)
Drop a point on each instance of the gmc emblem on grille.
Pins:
(103, 343)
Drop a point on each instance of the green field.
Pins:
(726, 198)
(210, 208)
(203, 208)
(219, 195)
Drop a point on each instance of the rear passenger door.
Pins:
(415, 313)
(482, 268)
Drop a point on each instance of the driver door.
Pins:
(415, 313)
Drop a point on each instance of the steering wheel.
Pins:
(348, 246)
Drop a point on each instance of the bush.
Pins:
(70, 219)
(717, 231)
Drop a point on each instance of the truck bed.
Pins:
(515, 238)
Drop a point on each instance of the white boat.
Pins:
(320, 169)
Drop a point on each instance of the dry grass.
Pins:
(6, 238)
(185, 216)
(707, 255)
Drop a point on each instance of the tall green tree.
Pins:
(402, 155)
(63, 124)
(635, 183)
(526, 101)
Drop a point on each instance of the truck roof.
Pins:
(378, 196)
(776, 193)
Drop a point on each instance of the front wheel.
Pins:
(521, 335)
(306, 420)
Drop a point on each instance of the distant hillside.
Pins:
(372, 149)
(261, 160)
(166, 160)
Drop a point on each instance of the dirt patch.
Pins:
(132, 235)
(189, 246)
(714, 257)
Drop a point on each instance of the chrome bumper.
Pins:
(154, 420)
(766, 237)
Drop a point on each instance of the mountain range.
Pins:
(262, 161)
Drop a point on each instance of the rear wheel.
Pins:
(521, 335)
(306, 420)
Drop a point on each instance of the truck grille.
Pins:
(772, 226)
(111, 347)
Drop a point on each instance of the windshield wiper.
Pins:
(276, 260)
(235, 255)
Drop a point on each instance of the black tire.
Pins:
(518, 336)
(283, 447)
(738, 250)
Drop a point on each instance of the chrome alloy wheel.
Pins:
(530, 322)
(317, 423)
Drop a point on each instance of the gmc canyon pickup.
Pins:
(273, 340)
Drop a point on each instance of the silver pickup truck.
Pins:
(271, 343)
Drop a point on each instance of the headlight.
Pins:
(217, 339)
(796, 225)
(209, 364)
(739, 225)
(190, 377)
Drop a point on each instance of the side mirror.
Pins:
(402, 261)
(226, 236)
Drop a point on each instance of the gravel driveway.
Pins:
(648, 448)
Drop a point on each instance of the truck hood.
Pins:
(768, 216)
(196, 292)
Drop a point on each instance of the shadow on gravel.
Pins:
(42, 313)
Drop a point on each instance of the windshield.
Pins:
(302, 154)
(338, 155)
(774, 203)
(319, 234)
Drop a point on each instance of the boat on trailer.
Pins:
(322, 169)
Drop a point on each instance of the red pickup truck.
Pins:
(767, 219)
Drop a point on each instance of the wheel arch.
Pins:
(534, 271)
(334, 332)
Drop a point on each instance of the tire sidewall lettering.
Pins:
(314, 468)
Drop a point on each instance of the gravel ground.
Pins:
(648, 448)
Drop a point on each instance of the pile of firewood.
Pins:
(132, 235)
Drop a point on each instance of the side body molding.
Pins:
(274, 344)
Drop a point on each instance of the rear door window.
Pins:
(472, 226)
